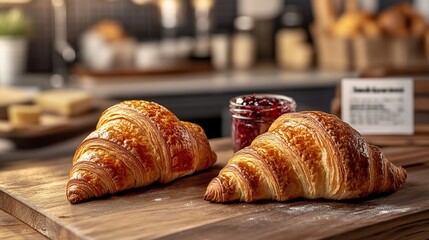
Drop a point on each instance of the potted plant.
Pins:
(14, 32)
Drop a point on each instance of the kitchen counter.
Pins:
(403, 213)
(203, 97)
(255, 80)
(264, 78)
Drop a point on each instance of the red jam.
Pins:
(253, 114)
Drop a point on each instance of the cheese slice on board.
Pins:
(65, 102)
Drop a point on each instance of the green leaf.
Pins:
(14, 23)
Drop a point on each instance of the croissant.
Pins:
(311, 155)
(136, 143)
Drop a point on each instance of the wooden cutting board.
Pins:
(36, 195)
(53, 128)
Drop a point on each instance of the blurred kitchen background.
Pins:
(142, 20)
(192, 56)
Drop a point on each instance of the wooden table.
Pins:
(34, 192)
(12, 228)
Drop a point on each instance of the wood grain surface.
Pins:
(36, 195)
(418, 139)
(12, 228)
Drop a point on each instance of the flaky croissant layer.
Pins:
(136, 143)
(308, 154)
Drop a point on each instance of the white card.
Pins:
(378, 106)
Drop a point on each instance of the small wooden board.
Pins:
(53, 128)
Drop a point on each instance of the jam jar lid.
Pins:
(261, 106)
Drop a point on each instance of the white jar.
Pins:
(13, 59)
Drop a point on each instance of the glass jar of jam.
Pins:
(253, 114)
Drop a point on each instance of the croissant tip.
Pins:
(213, 192)
(73, 198)
(76, 195)
(216, 192)
(77, 191)
(208, 196)
(404, 175)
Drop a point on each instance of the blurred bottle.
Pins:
(243, 43)
(220, 51)
(202, 27)
(171, 18)
(292, 50)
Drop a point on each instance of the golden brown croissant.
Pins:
(136, 143)
(308, 154)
